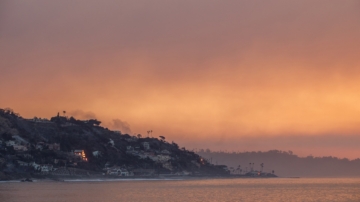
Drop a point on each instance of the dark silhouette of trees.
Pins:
(94, 122)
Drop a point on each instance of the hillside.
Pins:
(65, 146)
(287, 164)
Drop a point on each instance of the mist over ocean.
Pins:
(210, 190)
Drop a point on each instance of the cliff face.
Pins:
(44, 146)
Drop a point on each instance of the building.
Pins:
(10, 143)
(165, 152)
(96, 153)
(81, 154)
(118, 171)
(40, 146)
(146, 145)
(46, 168)
(132, 139)
(35, 166)
(20, 140)
(167, 165)
(20, 148)
(163, 158)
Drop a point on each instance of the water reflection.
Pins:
(186, 190)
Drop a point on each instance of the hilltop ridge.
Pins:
(65, 146)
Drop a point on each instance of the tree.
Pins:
(139, 136)
(162, 138)
(94, 122)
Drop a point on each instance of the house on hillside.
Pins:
(20, 140)
(165, 152)
(22, 163)
(132, 139)
(146, 145)
(118, 171)
(20, 148)
(80, 154)
(46, 168)
(35, 166)
(111, 142)
(163, 158)
(10, 143)
(167, 165)
(96, 153)
(39, 120)
(40, 146)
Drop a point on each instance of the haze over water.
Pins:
(225, 75)
(212, 190)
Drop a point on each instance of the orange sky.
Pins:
(225, 75)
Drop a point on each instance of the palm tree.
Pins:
(262, 166)
(64, 112)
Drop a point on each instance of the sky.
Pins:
(231, 75)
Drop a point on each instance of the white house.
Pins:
(131, 139)
(111, 142)
(146, 145)
(22, 163)
(163, 158)
(40, 146)
(20, 148)
(46, 168)
(165, 151)
(124, 172)
(10, 143)
(35, 166)
(96, 153)
(118, 171)
(167, 165)
(19, 139)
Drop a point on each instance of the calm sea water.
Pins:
(268, 190)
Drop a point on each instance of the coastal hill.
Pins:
(65, 146)
(285, 163)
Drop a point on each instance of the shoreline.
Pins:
(129, 178)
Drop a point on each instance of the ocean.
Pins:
(209, 190)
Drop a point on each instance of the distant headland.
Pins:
(64, 147)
